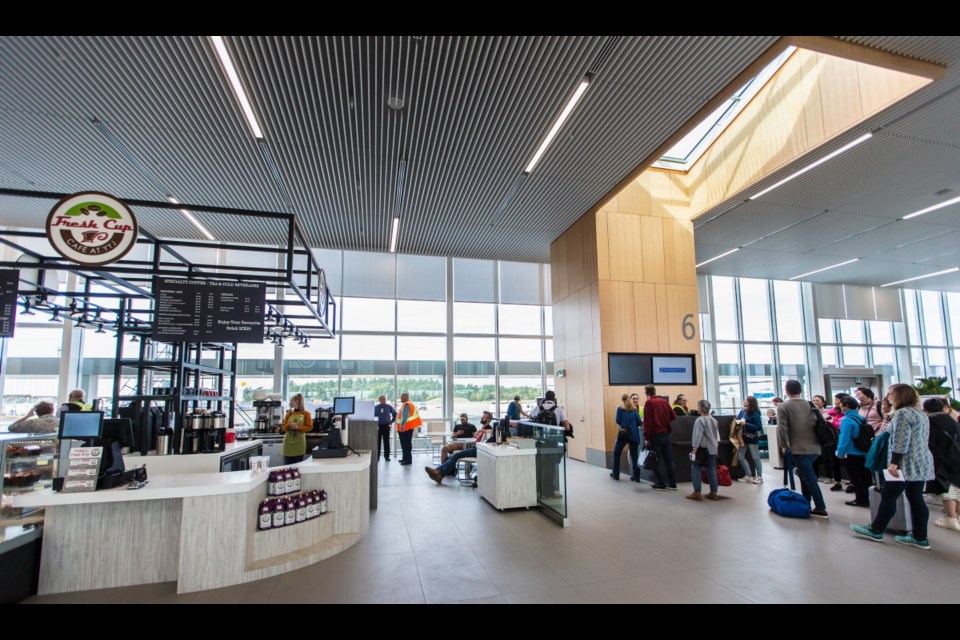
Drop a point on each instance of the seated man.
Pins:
(44, 422)
(449, 468)
(462, 430)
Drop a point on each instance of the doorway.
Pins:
(848, 380)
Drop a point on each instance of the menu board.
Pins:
(83, 470)
(208, 310)
(9, 284)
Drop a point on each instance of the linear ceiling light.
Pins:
(559, 123)
(929, 275)
(393, 235)
(718, 257)
(829, 156)
(196, 223)
(833, 266)
(933, 208)
(238, 91)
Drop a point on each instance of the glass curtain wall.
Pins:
(761, 333)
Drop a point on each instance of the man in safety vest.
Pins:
(75, 402)
(409, 420)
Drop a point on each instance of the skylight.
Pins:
(685, 153)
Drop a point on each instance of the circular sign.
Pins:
(92, 228)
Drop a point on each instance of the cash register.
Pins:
(90, 428)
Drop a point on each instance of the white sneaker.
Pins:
(745, 479)
(758, 480)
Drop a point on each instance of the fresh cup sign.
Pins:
(91, 228)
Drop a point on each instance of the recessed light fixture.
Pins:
(814, 165)
(833, 266)
(929, 275)
(718, 257)
(189, 216)
(945, 203)
(393, 235)
(226, 62)
(584, 84)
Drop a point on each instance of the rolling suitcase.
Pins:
(901, 522)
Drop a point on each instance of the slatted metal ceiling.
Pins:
(855, 200)
(476, 110)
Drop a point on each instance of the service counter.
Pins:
(197, 529)
(507, 475)
(192, 463)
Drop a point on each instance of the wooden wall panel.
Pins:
(588, 320)
(603, 251)
(670, 251)
(839, 96)
(645, 317)
(663, 319)
(555, 266)
(560, 351)
(617, 329)
(590, 248)
(575, 258)
(573, 403)
(809, 88)
(625, 244)
(653, 250)
(684, 252)
(635, 199)
(560, 279)
(571, 322)
(881, 87)
(594, 418)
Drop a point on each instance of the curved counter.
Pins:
(199, 530)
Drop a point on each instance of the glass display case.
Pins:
(29, 463)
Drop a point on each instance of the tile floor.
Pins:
(626, 543)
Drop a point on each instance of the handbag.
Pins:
(787, 502)
(724, 479)
(650, 464)
(702, 457)
(623, 435)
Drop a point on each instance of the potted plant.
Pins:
(933, 387)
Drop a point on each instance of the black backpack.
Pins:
(865, 436)
(546, 416)
(826, 436)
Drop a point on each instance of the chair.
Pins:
(467, 471)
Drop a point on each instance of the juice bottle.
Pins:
(311, 506)
(266, 517)
(296, 480)
(288, 480)
(278, 514)
(290, 511)
(301, 508)
(323, 501)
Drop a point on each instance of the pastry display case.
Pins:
(29, 463)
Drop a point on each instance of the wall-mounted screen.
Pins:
(633, 369)
(674, 370)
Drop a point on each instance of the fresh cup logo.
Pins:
(92, 228)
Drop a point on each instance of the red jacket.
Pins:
(657, 416)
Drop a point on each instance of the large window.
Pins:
(789, 311)
(756, 310)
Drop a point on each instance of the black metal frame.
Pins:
(127, 276)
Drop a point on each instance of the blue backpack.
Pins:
(787, 502)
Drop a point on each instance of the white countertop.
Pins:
(230, 447)
(502, 451)
(189, 485)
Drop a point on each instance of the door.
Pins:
(847, 383)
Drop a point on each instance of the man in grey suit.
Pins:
(796, 436)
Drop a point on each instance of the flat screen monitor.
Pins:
(630, 369)
(674, 370)
(343, 406)
(120, 430)
(80, 425)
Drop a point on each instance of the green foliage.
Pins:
(935, 387)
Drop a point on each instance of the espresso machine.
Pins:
(269, 415)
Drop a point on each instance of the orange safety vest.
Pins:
(413, 421)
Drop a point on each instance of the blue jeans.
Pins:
(449, 468)
(618, 451)
(754, 449)
(808, 479)
(711, 475)
(660, 443)
(888, 507)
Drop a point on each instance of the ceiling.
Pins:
(850, 207)
(147, 117)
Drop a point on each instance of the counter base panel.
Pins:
(507, 482)
(206, 562)
(98, 546)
